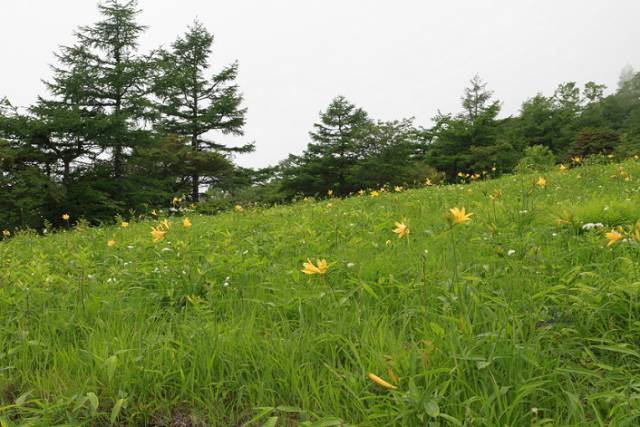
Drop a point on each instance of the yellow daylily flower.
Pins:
(186, 223)
(238, 208)
(158, 234)
(330, 193)
(165, 224)
(541, 182)
(111, 243)
(401, 229)
(382, 383)
(613, 237)
(459, 216)
(562, 167)
(428, 182)
(321, 267)
(6, 233)
(65, 217)
(397, 189)
(375, 193)
(124, 224)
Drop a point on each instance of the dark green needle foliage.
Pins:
(195, 102)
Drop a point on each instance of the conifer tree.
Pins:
(337, 140)
(194, 102)
(116, 85)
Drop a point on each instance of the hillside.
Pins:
(522, 315)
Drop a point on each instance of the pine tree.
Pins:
(476, 99)
(194, 102)
(117, 86)
(65, 122)
(337, 142)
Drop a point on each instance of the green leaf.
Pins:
(93, 401)
(437, 329)
(116, 410)
(111, 363)
(271, 422)
(432, 409)
(22, 399)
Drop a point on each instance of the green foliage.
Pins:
(217, 325)
(595, 141)
(192, 104)
(470, 142)
(536, 158)
(337, 142)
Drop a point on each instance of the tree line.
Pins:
(123, 132)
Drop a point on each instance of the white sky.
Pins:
(395, 59)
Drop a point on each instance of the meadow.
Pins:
(527, 312)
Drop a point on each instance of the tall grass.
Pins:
(217, 325)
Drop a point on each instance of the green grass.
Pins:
(217, 325)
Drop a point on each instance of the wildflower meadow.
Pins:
(511, 302)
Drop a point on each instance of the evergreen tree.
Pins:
(459, 141)
(336, 147)
(115, 78)
(66, 123)
(392, 154)
(476, 99)
(195, 102)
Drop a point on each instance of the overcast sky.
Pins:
(393, 58)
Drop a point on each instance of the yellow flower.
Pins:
(397, 189)
(186, 223)
(541, 182)
(176, 201)
(562, 167)
(111, 243)
(330, 193)
(124, 224)
(375, 193)
(459, 216)
(577, 160)
(165, 224)
(361, 192)
(428, 182)
(65, 217)
(240, 209)
(6, 233)
(614, 237)
(401, 229)
(376, 379)
(393, 376)
(154, 213)
(493, 168)
(321, 267)
(157, 234)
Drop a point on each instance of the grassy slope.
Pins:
(218, 319)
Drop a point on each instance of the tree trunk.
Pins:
(195, 178)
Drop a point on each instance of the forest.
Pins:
(121, 131)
